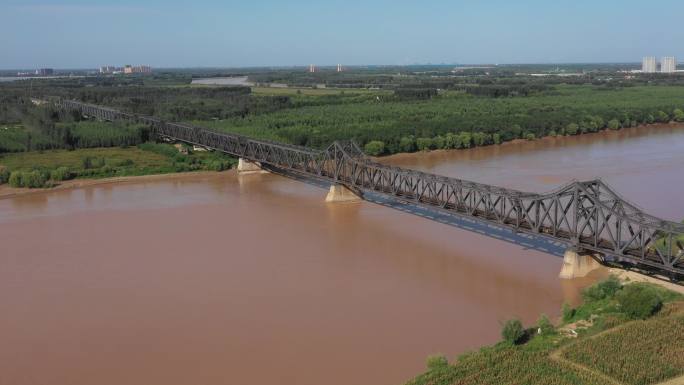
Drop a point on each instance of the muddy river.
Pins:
(256, 280)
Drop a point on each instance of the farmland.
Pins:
(610, 347)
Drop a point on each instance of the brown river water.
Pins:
(256, 280)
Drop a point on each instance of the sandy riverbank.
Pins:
(10, 192)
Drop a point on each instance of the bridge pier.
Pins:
(340, 193)
(248, 167)
(577, 264)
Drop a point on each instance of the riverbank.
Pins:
(523, 145)
(628, 334)
(7, 192)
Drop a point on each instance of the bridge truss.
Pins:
(587, 215)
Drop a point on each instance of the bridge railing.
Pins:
(588, 215)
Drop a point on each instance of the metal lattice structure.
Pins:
(589, 215)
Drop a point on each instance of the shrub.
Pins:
(424, 144)
(374, 148)
(435, 362)
(639, 301)
(407, 144)
(512, 331)
(614, 124)
(529, 136)
(568, 312)
(91, 162)
(218, 165)
(4, 175)
(15, 179)
(544, 326)
(572, 129)
(678, 115)
(604, 289)
(61, 173)
(30, 179)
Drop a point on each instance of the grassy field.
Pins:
(25, 161)
(609, 347)
(45, 168)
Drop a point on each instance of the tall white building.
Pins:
(668, 65)
(648, 65)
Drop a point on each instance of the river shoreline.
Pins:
(393, 159)
(7, 192)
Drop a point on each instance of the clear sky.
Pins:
(206, 33)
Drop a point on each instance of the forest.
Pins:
(385, 109)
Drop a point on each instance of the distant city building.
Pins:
(142, 69)
(668, 65)
(339, 68)
(648, 65)
(45, 72)
(110, 69)
(312, 68)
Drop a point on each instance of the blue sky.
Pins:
(172, 33)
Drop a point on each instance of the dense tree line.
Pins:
(457, 120)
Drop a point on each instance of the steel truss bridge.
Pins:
(588, 216)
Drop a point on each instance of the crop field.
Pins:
(507, 366)
(609, 349)
(74, 159)
(639, 353)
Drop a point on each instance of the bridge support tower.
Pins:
(248, 167)
(340, 193)
(577, 264)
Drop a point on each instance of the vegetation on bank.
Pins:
(47, 168)
(403, 110)
(632, 333)
(459, 120)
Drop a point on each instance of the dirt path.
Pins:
(557, 356)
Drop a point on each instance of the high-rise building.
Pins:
(668, 65)
(339, 68)
(648, 65)
(141, 69)
(45, 72)
(312, 68)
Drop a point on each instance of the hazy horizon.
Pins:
(81, 34)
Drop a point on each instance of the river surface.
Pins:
(256, 280)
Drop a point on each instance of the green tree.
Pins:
(15, 179)
(678, 115)
(407, 144)
(438, 142)
(639, 301)
(662, 117)
(424, 144)
(4, 175)
(374, 148)
(512, 331)
(613, 124)
(572, 129)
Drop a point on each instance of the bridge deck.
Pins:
(586, 215)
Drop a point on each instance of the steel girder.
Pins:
(587, 215)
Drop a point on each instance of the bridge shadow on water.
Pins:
(526, 241)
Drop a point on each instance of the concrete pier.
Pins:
(339, 193)
(249, 167)
(577, 264)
